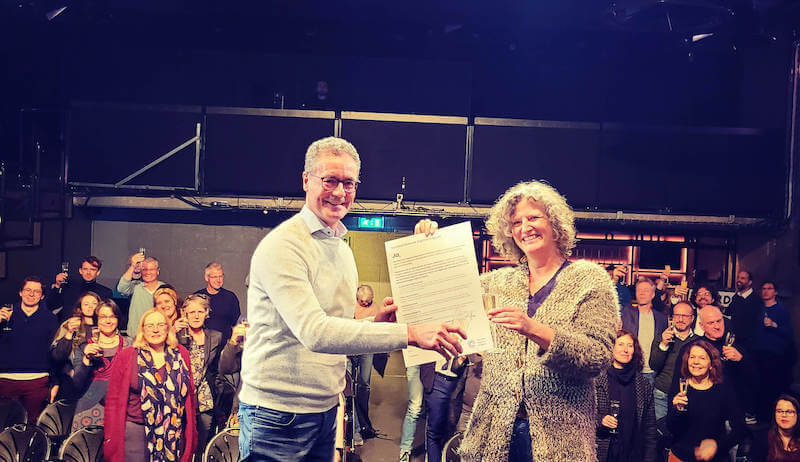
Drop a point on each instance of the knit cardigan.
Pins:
(557, 384)
(116, 407)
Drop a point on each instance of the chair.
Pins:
(24, 443)
(12, 412)
(56, 421)
(223, 447)
(83, 445)
(450, 448)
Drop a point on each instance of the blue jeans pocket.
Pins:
(264, 416)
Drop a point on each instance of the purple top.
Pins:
(135, 396)
(536, 300)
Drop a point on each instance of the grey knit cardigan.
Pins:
(556, 385)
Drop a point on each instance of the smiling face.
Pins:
(88, 305)
(155, 329)
(149, 271)
(107, 321)
(215, 278)
(166, 305)
(330, 206)
(531, 229)
(623, 350)
(743, 281)
(703, 297)
(31, 293)
(699, 363)
(682, 316)
(785, 415)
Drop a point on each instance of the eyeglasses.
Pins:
(683, 316)
(785, 412)
(32, 291)
(150, 326)
(101, 318)
(330, 183)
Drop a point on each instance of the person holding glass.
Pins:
(70, 336)
(700, 408)
(230, 364)
(627, 431)
(93, 363)
(151, 403)
(204, 347)
(554, 326)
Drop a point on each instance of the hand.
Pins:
(609, 422)
(666, 336)
(73, 324)
(180, 323)
(769, 322)
(239, 333)
(619, 272)
(512, 318)
(680, 401)
(5, 314)
(60, 279)
(426, 226)
(388, 312)
(731, 353)
(661, 282)
(92, 350)
(706, 451)
(437, 337)
(137, 259)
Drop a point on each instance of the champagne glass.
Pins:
(7, 324)
(95, 334)
(684, 388)
(672, 326)
(729, 339)
(489, 302)
(613, 407)
(143, 251)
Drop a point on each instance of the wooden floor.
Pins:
(387, 407)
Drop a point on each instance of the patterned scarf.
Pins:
(164, 393)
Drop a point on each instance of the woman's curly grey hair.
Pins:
(330, 145)
(562, 220)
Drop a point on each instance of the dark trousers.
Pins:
(33, 394)
(205, 431)
(437, 406)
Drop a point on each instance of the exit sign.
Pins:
(370, 222)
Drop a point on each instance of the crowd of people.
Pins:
(584, 367)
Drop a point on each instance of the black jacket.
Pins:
(212, 349)
(645, 428)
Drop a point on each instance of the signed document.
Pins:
(435, 279)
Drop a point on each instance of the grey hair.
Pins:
(212, 265)
(647, 281)
(330, 145)
(365, 289)
(560, 215)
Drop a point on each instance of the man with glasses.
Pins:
(664, 353)
(300, 307)
(26, 330)
(139, 282)
(225, 310)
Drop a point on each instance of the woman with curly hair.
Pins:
(554, 327)
(627, 431)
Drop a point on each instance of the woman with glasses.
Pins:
(69, 337)
(626, 419)
(783, 439)
(93, 364)
(701, 405)
(204, 346)
(151, 405)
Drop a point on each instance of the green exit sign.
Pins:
(370, 222)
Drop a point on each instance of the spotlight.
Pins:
(53, 13)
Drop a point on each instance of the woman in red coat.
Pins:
(150, 405)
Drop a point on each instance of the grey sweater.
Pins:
(300, 305)
(556, 385)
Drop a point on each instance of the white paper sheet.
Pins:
(435, 279)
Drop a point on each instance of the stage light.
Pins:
(53, 13)
(698, 37)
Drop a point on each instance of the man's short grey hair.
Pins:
(554, 205)
(647, 281)
(211, 266)
(330, 145)
(365, 289)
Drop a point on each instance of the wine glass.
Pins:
(613, 407)
(7, 324)
(489, 302)
(730, 337)
(684, 388)
(95, 334)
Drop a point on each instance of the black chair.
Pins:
(56, 421)
(24, 443)
(12, 412)
(83, 445)
(450, 448)
(223, 447)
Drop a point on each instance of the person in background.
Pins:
(783, 438)
(704, 295)
(413, 411)
(166, 300)
(230, 363)
(628, 432)
(26, 330)
(365, 309)
(151, 407)
(93, 362)
(65, 292)
(225, 310)
(645, 322)
(204, 346)
(617, 274)
(664, 354)
(139, 282)
(69, 337)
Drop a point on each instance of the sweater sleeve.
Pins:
(117, 405)
(125, 286)
(658, 357)
(61, 349)
(230, 360)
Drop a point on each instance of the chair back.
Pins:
(450, 448)
(12, 412)
(56, 418)
(83, 445)
(24, 443)
(223, 447)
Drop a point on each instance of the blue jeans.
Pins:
(413, 410)
(650, 376)
(437, 405)
(277, 436)
(520, 450)
(660, 402)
